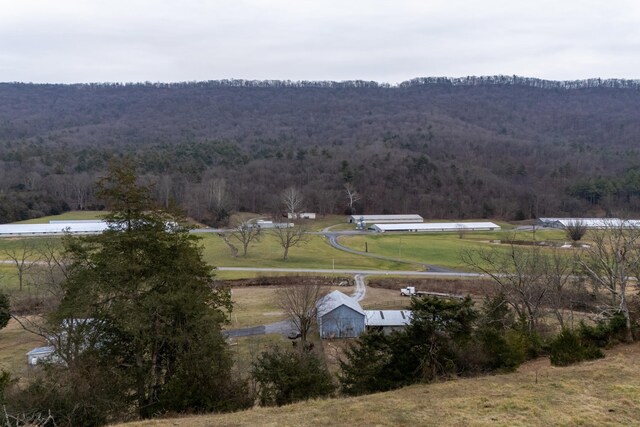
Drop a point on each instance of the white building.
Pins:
(53, 228)
(593, 223)
(301, 215)
(437, 227)
(384, 219)
(40, 354)
(263, 224)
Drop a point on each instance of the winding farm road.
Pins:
(332, 238)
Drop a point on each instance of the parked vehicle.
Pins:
(410, 291)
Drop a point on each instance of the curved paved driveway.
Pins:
(332, 238)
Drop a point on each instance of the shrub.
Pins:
(285, 377)
(4, 310)
(606, 332)
(505, 350)
(568, 348)
(575, 230)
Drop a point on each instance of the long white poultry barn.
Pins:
(589, 222)
(385, 219)
(53, 228)
(437, 226)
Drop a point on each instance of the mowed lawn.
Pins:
(317, 253)
(72, 215)
(443, 249)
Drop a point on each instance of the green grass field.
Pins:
(72, 215)
(432, 248)
(317, 253)
(443, 249)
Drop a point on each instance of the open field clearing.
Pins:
(605, 392)
(315, 254)
(442, 249)
(254, 306)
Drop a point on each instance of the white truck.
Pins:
(410, 291)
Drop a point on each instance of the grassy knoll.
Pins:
(436, 248)
(598, 393)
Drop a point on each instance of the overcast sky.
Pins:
(387, 41)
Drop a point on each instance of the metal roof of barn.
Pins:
(387, 317)
(42, 350)
(592, 222)
(58, 227)
(383, 218)
(335, 299)
(438, 226)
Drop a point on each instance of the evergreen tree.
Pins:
(285, 376)
(4, 310)
(151, 314)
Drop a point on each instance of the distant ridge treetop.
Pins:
(496, 80)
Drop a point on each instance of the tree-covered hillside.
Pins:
(475, 147)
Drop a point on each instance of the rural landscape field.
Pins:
(300, 213)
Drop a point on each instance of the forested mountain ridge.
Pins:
(506, 147)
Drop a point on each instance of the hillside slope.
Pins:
(479, 147)
(598, 393)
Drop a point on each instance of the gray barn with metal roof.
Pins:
(340, 316)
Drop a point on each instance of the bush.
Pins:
(285, 377)
(4, 310)
(504, 350)
(371, 364)
(568, 348)
(605, 333)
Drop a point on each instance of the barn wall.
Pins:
(342, 322)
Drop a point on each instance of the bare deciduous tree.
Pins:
(610, 261)
(292, 199)
(24, 258)
(289, 237)
(518, 272)
(246, 232)
(352, 196)
(299, 303)
(560, 283)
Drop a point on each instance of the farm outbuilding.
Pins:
(53, 228)
(387, 320)
(385, 219)
(340, 316)
(437, 226)
(40, 354)
(301, 215)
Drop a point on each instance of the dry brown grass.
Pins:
(15, 342)
(254, 306)
(599, 393)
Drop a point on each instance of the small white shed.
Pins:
(40, 354)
